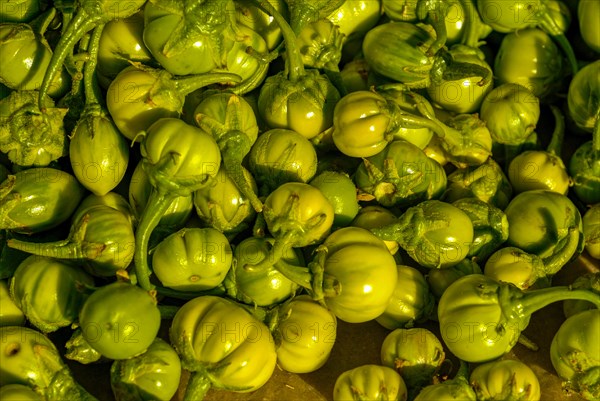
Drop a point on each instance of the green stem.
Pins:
(157, 205)
(463, 371)
(535, 300)
(280, 245)
(77, 27)
(571, 244)
(189, 84)
(298, 274)
(89, 70)
(596, 133)
(527, 343)
(59, 249)
(558, 135)
(294, 63)
(473, 24)
(434, 13)
(197, 387)
(233, 155)
(555, 31)
(41, 23)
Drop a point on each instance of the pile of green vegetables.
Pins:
(247, 173)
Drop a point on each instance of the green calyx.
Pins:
(29, 135)
(410, 232)
(390, 188)
(445, 68)
(78, 349)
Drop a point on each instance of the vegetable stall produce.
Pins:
(282, 199)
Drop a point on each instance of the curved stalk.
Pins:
(558, 134)
(197, 387)
(89, 70)
(517, 304)
(157, 205)
(189, 84)
(555, 31)
(74, 31)
(294, 63)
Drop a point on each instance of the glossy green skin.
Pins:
(584, 168)
(20, 364)
(505, 379)
(586, 12)
(153, 375)
(120, 320)
(121, 43)
(417, 354)
(239, 61)
(24, 58)
(260, 287)
(464, 95)
(10, 314)
(18, 392)
(98, 152)
(49, 292)
(513, 265)
(509, 15)
(486, 182)
(217, 106)
(397, 50)
(169, 136)
(192, 259)
(356, 17)
(112, 228)
(41, 199)
(490, 227)
(472, 324)
(583, 95)
(320, 45)
(305, 105)
(591, 231)
(440, 279)
(409, 176)
(538, 219)
(159, 25)
(511, 113)
(374, 216)
(534, 169)
(131, 103)
(19, 10)
(111, 199)
(30, 358)
(575, 353)
(339, 189)
(140, 189)
(405, 10)
(530, 58)
(222, 206)
(411, 302)
(306, 333)
(215, 336)
(365, 270)
(438, 245)
(260, 22)
(362, 124)
(279, 156)
(370, 382)
(281, 217)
